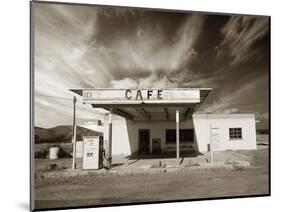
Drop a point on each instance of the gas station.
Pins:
(157, 121)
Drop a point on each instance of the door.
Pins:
(156, 146)
(144, 137)
(215, 138)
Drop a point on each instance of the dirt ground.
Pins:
(100, 190)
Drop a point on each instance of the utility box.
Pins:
(92, 152)
(156, 146)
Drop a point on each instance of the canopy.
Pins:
(146, 104)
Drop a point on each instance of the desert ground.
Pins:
(89, 190)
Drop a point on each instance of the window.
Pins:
(186, 135)
(170, 136)
(235, 133)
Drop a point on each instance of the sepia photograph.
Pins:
(141, 105)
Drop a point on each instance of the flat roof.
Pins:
(222, 116)
(146, 104)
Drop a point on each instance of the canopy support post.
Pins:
(109, 144)
(178, 135)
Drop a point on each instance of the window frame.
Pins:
(235, 133)
(181, 136)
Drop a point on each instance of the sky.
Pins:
(78, 46)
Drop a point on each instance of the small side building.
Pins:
(227, 131)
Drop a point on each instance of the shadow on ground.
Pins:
(116, 164)
(136, 156)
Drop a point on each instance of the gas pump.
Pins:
(92, 152)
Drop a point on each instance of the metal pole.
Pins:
(178, 135)
(74, 135)
(211, 147)
(110, 139)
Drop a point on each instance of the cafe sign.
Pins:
(138, 96)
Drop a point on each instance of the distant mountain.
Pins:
(61, 134)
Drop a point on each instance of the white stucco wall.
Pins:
(125, 132)
(203, 123)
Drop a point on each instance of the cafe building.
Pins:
(160, 121)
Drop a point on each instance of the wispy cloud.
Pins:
(240, 35)
(148, 51)
(85, 46)
(70, 53)
(61, 42)
(242, 98)
(152, 81)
